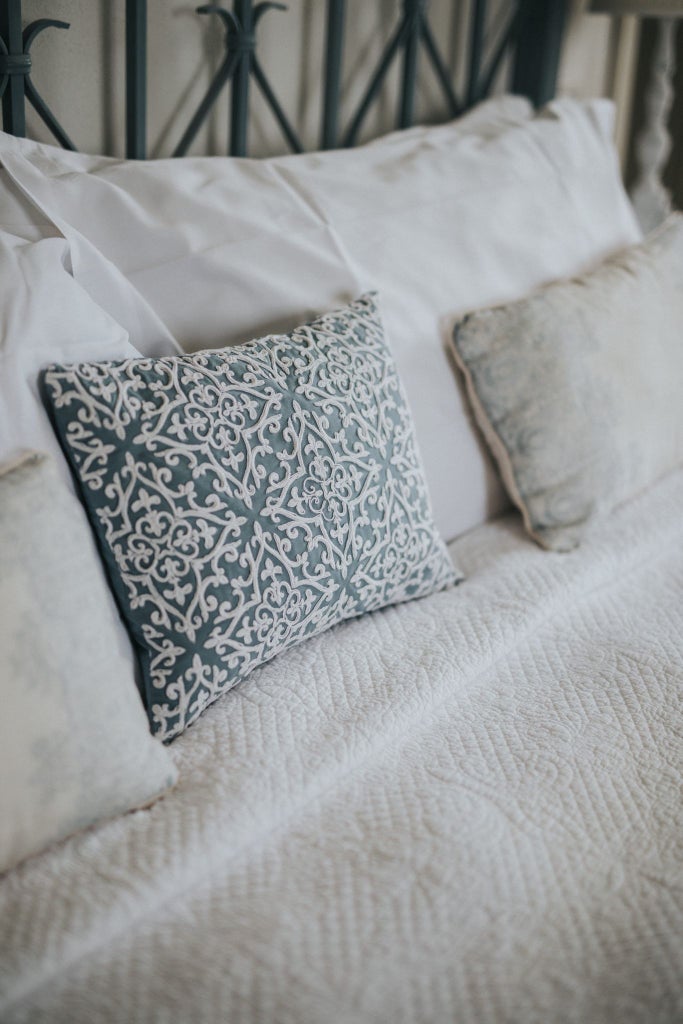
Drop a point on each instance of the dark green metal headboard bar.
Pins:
(223, 75)
(336, 14)
(13, 80)
(532, 31)
(136, 79)
(242, 44)
(16, 84)
(539, 48)
(413, 32)
(239, 65)
(476, 49)
(413, 13)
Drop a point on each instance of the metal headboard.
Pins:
(529, 30)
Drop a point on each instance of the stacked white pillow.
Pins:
(74, 744)
(438, 221)
(44, 314)
(22, 221)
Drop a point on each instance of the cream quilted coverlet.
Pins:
(466, 809)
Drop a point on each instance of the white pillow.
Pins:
(23, 220)
(439, 221)
(46, 316)
(74, 742)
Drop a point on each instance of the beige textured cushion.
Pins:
(579, 387)
(74, 742)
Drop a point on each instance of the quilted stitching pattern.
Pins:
(465, 809)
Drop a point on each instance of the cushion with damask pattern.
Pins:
(577, 388)
(250, 497)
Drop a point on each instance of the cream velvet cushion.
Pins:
(74, 742)
(579, 388)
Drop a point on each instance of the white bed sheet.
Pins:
(466, 809)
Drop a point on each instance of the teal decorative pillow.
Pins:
(248, 498)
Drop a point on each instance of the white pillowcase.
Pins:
(46, 316)
(74, 741)
(21, 219)
(439, 221)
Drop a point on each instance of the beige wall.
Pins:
(81, 71)
(599, 59)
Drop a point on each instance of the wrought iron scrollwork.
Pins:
(530, 30)
(21, 64)
(12, 64)
(239, 64)
(414, 31)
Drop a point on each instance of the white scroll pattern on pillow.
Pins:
(249, 498)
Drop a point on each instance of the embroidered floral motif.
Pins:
(249, 498)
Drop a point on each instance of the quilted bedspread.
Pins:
(465, 809)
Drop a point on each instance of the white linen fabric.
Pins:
(438, 221)
(465, 809)
(74, 742)
(578, 387)
(20, 219)
(47, 316)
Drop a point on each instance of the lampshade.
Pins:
(646, 8)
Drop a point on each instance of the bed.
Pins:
(463, 807)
